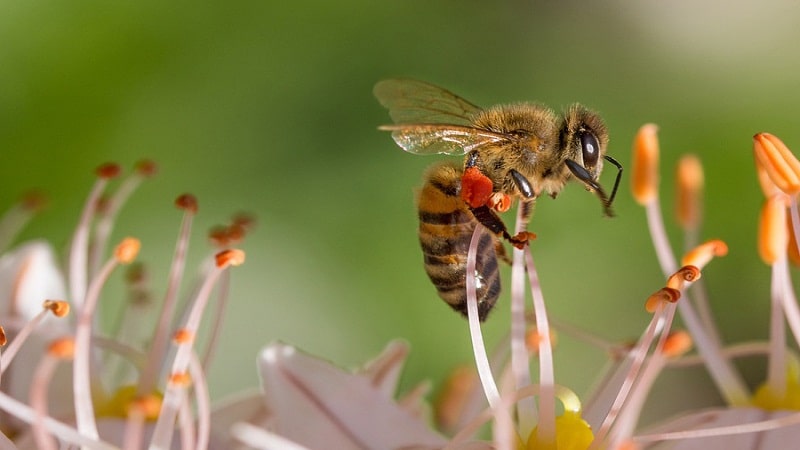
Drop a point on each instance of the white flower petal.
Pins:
(384, 371)
(29, 275)
(320, 406)
(249, 408)
(770, 439)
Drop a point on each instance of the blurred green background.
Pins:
(267, 107)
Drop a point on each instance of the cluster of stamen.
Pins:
(142, 402)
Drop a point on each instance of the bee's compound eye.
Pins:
(590, 148)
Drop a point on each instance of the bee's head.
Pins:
(584, 138)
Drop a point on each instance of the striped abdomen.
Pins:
(446, 226)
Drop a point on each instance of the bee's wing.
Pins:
(412, 101)
(428, 139)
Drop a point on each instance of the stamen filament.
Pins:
(546, 428)
(20, 338)
(79, 248)
(175, 392)
(478, 348)
(148, 377)
(84, 406)
(105, 224)
(60, 430)
(520, 364)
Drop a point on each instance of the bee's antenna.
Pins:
(616, 181)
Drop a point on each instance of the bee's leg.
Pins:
(492, 221)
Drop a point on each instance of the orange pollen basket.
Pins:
(476, 188)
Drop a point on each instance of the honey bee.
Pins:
(516, 151)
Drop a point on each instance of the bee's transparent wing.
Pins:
(413, 101)
(428, 139)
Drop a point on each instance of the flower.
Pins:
(345, 410)
(75, 406)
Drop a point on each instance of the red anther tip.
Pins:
(3, 338)
(187, 202)
(236, 233)
(33, 200)
(219, 236)
(244, 220)
(108, 171)
(146, 168)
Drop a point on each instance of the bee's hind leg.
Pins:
(492, 221)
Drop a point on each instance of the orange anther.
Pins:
(183, 336)
(59, 308)
(645, 165)
(683, 275)
(127, 250)
(149, 406)
(677, 343)
(182, 379)
(232, 257)
(703, 253)
(63, 348)
(665, 294)
(773, 235)
(690, 186)
(780, 164)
